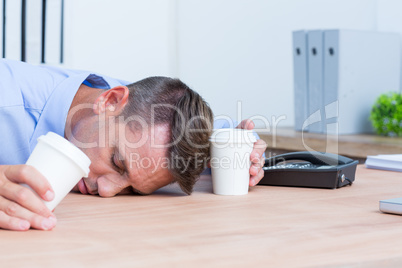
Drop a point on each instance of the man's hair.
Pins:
(163, 100)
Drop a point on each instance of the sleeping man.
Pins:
(139, 137)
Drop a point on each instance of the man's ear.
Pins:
(112, 101)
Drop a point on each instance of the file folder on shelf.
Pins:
(300, 77)
(315, 81)
(358, 67)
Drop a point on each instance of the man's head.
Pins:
(163, 101)
(155, 132)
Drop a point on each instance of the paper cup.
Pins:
(230, 160)
(61, 162)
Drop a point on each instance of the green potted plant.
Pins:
(386, 114)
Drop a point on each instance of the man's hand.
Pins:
(21, 208)
(257, 159)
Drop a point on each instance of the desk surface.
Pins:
(269, 227)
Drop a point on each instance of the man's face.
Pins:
(123, 160)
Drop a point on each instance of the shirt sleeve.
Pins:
(229, 123)
(19, 110)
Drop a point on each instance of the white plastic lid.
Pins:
(232, 135)
(68, 149)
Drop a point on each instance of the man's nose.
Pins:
(109, 188)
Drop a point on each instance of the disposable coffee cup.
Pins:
(61, 162)
(230, 160)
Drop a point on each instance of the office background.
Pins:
(228, 50)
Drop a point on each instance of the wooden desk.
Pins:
(269, 227)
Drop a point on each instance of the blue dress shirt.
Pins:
(35, 100)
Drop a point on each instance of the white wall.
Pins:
(389, 18)
(127, 39)
(228, 50)
(241, 50)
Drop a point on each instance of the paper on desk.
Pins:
(391, 162)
